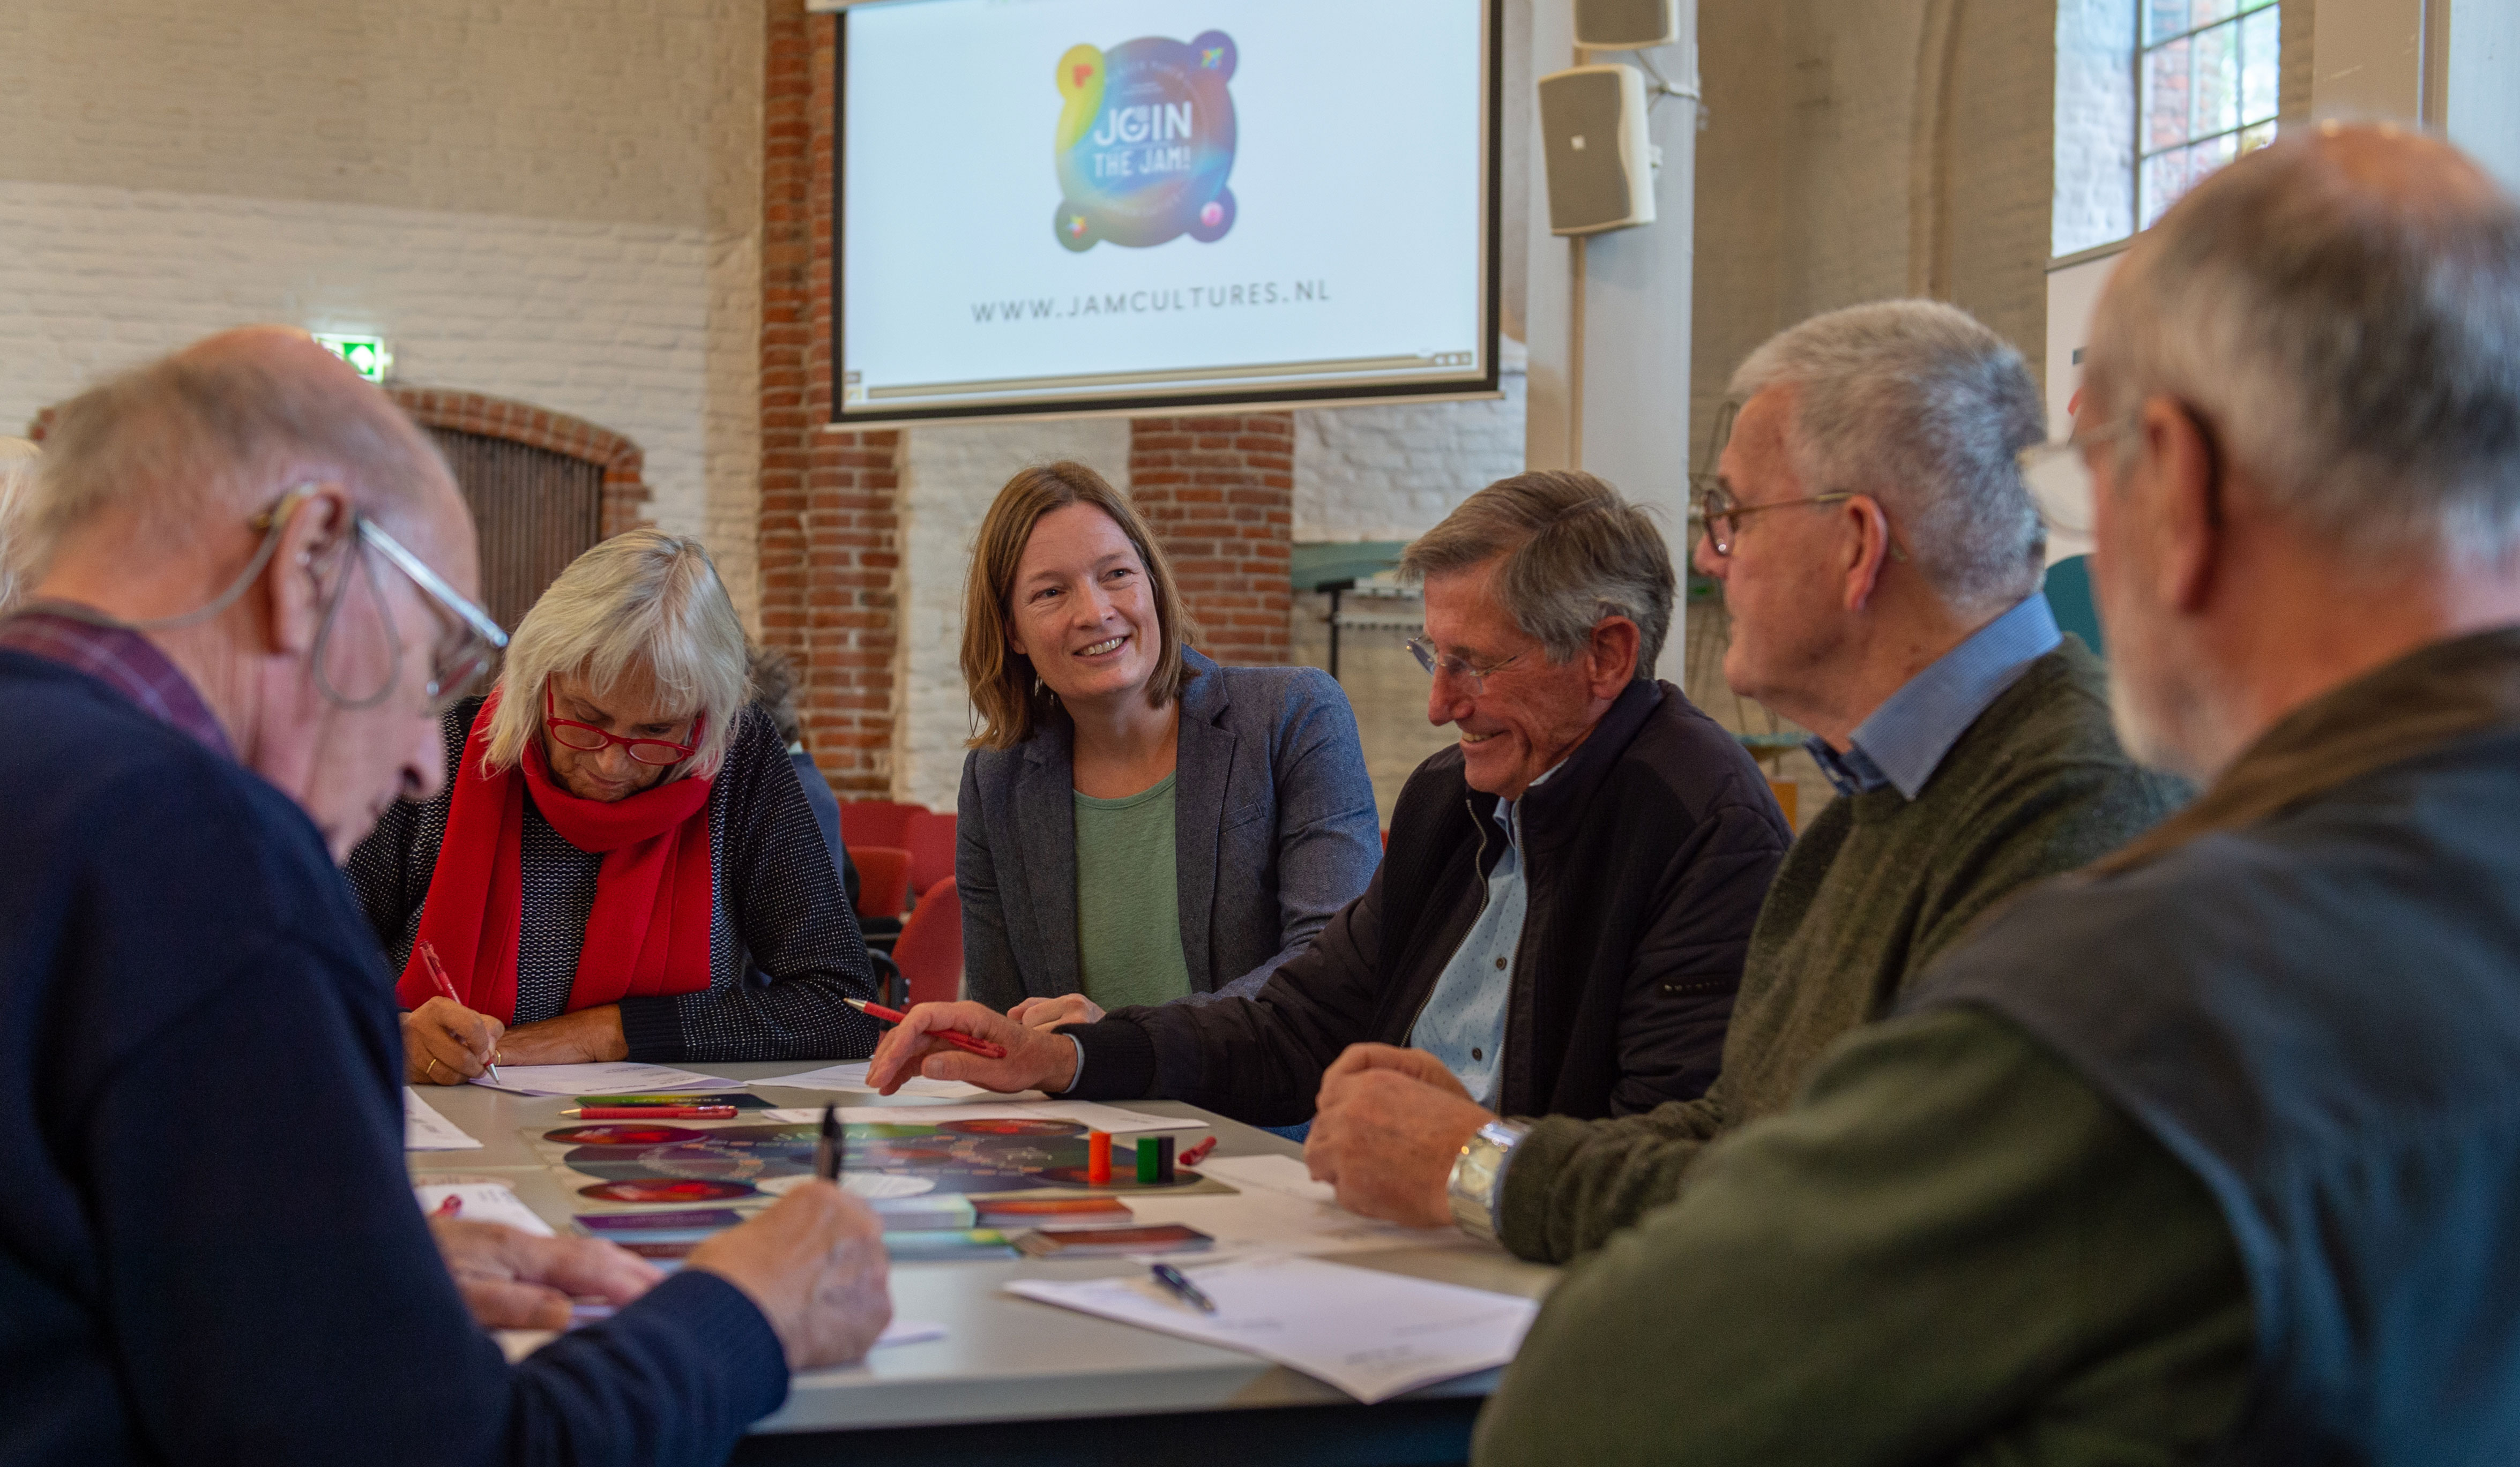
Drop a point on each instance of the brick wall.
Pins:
(1219, 492)
(829, 523)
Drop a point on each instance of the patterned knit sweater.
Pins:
(1875, 889)
(784, 946)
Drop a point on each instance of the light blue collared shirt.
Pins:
(1463, 1021)
(1904, 740)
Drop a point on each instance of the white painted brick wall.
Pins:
(1391, 472)
(614, 323)
(949, 476)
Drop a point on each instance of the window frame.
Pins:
(2144, 52)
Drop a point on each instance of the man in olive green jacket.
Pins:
(1890, 604)
(2207, 1153)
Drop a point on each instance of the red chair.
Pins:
(930, 839)
(883, 880)
(876, 823)
(930, 949)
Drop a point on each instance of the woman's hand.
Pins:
(1048, 1014)
(444, 1043)
(589, 1036)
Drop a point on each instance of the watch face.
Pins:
(1474, 1189)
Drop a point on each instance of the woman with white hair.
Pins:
(623, 865)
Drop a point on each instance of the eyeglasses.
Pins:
(1474, 678)
(587, 739)
(2058, 476)
(472, 640)
(1722, 513)
(465, 650)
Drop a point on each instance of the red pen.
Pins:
(1198, 1153)
(450, 1207)
(653, 1112)
(446, 987)
(979, 1047)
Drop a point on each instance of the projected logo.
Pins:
(1146, 141)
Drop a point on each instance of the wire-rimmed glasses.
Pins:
(472, 640)
(2058, 476)
(1722, 512)
(1462, 671)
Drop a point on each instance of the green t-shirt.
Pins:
(1128, 899)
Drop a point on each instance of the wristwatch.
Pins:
(1476, 1189)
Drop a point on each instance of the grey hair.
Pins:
(2350, 333)
(1922, 407)
(774, 687)
(219, 430)
(643, 599)
(1574, 554)
(17, 479)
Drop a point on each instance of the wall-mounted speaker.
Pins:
(1599, 157)
(1626, 24)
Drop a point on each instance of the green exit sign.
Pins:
(367, 355)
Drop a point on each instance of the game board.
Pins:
(647, 1164)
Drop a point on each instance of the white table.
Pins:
(1014, 1378)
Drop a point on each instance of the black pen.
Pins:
(829, 1151)
(1178, 1282)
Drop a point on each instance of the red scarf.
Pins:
(648, 933)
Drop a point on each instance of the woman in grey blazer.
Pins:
(1137, 824)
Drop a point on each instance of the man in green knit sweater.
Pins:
(1881, 562)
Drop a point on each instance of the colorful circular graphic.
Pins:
(665, 1191)
(1146, 140)
(632, 1135)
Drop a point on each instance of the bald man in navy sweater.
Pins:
(252, 595)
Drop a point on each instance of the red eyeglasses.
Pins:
(587, 739)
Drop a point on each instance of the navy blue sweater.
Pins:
(209, 1251)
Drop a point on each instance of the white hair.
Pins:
(1920, 406)
(17, 483)
(642, 599)
(2353, 343)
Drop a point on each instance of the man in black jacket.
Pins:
(1568, 893)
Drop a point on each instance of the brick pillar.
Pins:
(831, 552)
(1220, 494)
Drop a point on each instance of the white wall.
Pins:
(1391, 472)
(609, 321)
(557, 202)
